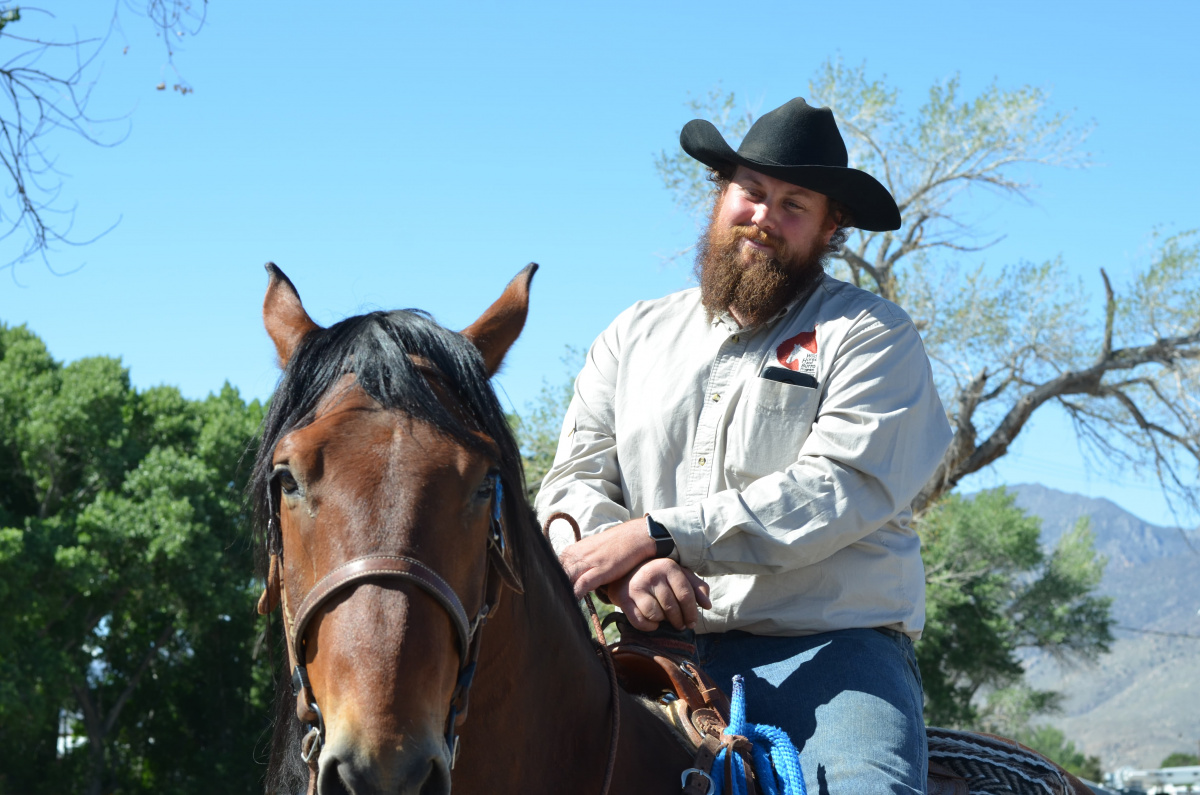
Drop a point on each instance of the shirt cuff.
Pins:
(684, 525)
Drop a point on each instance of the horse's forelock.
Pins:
(376, 348)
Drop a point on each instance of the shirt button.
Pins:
(716, 398)
(701, 462)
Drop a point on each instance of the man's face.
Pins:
(795, 220)
(765, 243)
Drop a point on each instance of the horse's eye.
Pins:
(287, 483)
(486, 489)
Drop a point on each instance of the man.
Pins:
(742, 457)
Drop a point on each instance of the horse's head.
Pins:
(380, 490)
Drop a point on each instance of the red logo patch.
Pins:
(788, 352)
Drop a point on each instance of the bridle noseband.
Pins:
(395, 567)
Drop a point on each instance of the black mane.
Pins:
(377, 348)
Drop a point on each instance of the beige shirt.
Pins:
(782, 459)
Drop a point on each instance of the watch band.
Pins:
(664, 544)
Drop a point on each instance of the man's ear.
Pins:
(836, 217)
(498, 328)
(284, 316)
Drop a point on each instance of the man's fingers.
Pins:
(667, 604)
(627, 603)
(639, 621)
(699, 588)
(685, 595)
(648, 606)
(642, 612)
(588, 580)
(658, 590)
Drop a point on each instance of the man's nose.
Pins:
(762, 217)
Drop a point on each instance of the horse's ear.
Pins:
(284, 316)
(498, 328)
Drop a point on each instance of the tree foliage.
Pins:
(1054, 745)
(992, 591)
(1180, 759)
(129, 610)
(539, 427)
(1006, 342)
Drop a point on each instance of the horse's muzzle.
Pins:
(412, 771)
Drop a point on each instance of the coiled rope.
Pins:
(776, 761)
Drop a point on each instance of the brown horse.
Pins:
(385, 455)
(388, 494)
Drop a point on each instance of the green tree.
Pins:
(991, 591)
(539, 427)
(1005, 342)
(1054, 745)
(1180, 759)
(125, 575)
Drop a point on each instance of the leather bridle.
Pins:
(388, 567)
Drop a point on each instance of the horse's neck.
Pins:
(541, 711)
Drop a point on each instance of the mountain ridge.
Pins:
(1141, 701)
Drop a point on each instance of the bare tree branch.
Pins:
(1006, 342)
(45, 89)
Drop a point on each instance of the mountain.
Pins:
(1140, 702)
(1125, 539)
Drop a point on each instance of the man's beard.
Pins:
(753, 284)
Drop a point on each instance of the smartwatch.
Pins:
(664, 545)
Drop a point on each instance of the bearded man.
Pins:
(742, 458)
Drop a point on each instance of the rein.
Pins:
(398, 567)
(610, 667)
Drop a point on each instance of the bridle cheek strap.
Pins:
(375, 567)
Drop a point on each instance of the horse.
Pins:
(416, 582)
(385, 446)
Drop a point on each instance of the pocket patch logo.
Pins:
(799, 353)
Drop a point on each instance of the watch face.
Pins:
(664, 544)
(657, 531)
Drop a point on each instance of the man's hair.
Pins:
(721, 177)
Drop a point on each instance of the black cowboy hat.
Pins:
(801, 145)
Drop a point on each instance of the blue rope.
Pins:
(775, 758)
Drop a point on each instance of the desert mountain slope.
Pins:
(1141, 701)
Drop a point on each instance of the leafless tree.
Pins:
(1007, 342)
(46, 83)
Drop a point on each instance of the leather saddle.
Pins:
(662, 667)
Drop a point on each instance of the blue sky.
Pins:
(418, 155)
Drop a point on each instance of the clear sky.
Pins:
(418, 155)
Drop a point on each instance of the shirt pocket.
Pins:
(767, 428)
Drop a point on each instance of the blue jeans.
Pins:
(850, 700)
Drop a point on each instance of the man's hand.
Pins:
(657, 590)
(608, 556)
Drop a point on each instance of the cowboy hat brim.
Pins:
(870, 203)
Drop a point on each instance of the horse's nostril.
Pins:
(438, 780)
(329, 779)
(350, 774)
